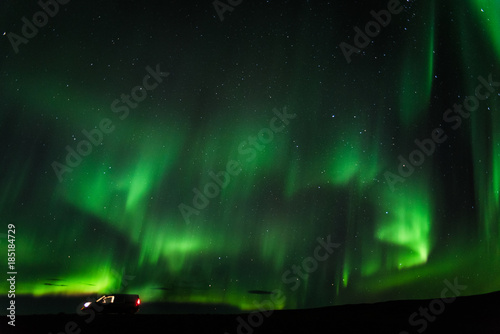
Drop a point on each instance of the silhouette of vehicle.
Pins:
(114, 303)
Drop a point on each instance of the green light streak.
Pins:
(418, 69)
(273, 251)
(487, 12)
(345, 274)
(354, 158)
(408, 226)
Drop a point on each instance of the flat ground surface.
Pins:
(474, 314)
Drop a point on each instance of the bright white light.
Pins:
(87, 304)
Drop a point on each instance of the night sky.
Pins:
(150, 147)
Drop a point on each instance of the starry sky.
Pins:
(199, 155)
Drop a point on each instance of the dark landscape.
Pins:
(472, 314)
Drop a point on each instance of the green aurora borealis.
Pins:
(322, 174)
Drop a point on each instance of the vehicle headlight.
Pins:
(87, 304)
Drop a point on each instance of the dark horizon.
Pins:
(460, 315)
(58, 305)
(299, 154)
